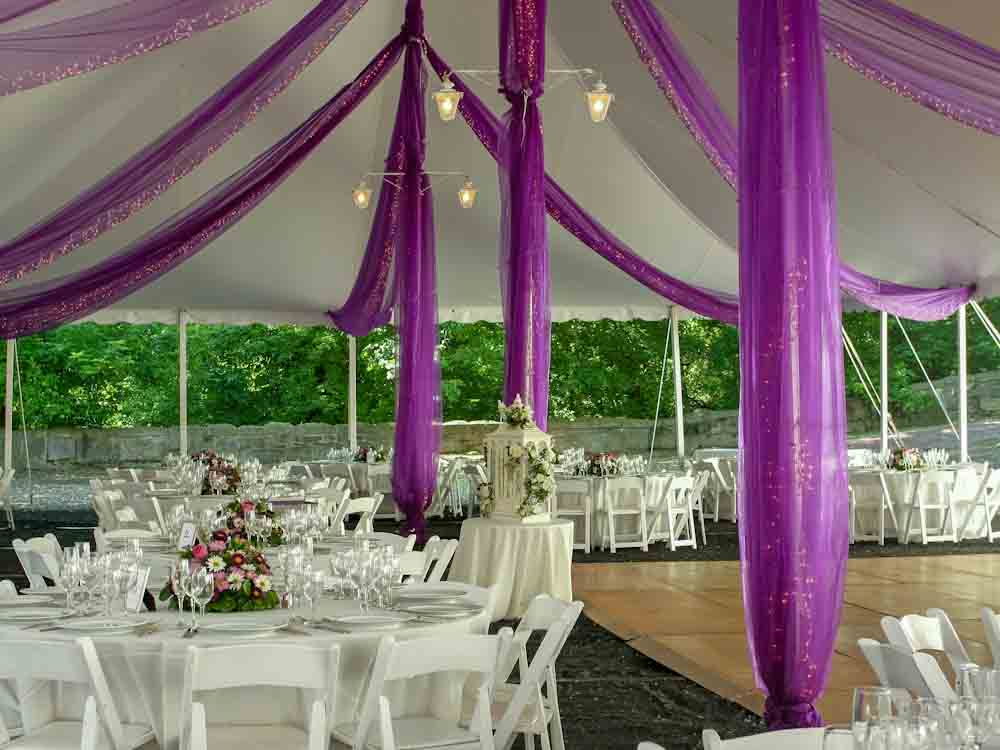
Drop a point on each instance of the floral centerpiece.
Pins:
(484, 491)
(599, 465)
(369, 454)
(234, 513)
(222, 477)
(242, 575)
(906, 459)
(518, 414)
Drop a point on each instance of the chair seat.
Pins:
(531, 720)
(58, 735)
(572, 511)
(246, 736)
(415, 733)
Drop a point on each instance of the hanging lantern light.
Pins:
(447, 100)
(362, 195)
(467, 194)
(599, 101)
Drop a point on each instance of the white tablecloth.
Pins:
(868, 492)
(146, 675)
(524, 560)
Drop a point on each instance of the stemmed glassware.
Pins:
(313, 583)
(202, 586)
(873, 719)
(68, 576)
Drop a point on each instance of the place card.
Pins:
(187, 536)
(133, 600)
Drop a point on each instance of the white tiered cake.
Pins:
(506, 457)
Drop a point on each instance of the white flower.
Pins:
(263, 583)
(235, 580)
(483, 491)
(215, 563)
(515, 451)
(249, 567)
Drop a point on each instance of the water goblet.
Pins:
(201, 591)
(871, 710)
(67, 578)
(314, 583)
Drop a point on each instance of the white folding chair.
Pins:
(37, 560)
(273, 665)
(882, 506)
(401, 544)
(7, 589)
(701, 479)
(671, 511)
(933, 632)
(914, 671)
(438, 554)
(624, 497)
(991, 624)
(711, 489)
(921, 503)
(531, 706)
(447, 471)
(349, 506)
(987, 500)
(377, 728)
(412, 565)
(477, 476)
(573, 500)
(54, 663)
(6, 504)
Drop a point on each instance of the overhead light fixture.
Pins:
(447, 100)
(467, 194)
(362, 195)
(599, 101)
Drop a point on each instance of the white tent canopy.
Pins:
(917, 193)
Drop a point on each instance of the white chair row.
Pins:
(663, 509)
(494, 710)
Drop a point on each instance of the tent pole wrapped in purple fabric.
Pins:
(699, 110)
(99, 33)
(524, 247)
(567, 212)
(41, 306)
(417, 436)
(793, 439)
(150, 172)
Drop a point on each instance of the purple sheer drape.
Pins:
(41, 306)
(699, 110)
(568, 213)
(147, 174)
(99, 33)
(399, 273)
(916, 58)
(524, 247)
(793, 476)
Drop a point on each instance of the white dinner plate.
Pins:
(443, 611)
(243, 624)
(427, 597)
(31, 614)
(43, 591)
(102, 625)
(25, 601)
(373, 621)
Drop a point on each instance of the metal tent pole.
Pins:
(352, 392)
(182, 380)
(8, 410)
(963, 387)
(678, 383)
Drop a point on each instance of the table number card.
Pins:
(133, 600)
(187, 536)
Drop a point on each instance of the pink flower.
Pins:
(246, 506)
(221, 584)
(216, 546)
(199, 552)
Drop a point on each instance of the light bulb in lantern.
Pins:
(362, 195)
(599, 101)
(447, 100)
(467, 195)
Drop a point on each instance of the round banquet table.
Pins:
(522, 559)
(145, 674)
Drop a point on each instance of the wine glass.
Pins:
(313, 584)
(67, 578)
(184, 580)
(872, 713)
(120, 579)
(967, 681)
(202, 588)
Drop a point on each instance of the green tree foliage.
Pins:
(125, 375)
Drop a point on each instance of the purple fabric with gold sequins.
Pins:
(41, 306)
(792, 498)
(150, 172)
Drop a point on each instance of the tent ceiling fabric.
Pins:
(917, 193)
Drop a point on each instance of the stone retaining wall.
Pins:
(277, 441)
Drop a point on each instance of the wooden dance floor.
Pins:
(689, 615)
